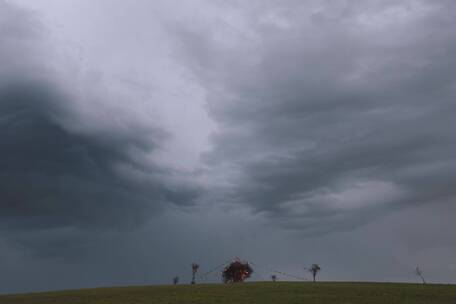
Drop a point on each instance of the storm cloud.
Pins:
(139, 137)
(61, 166)
(331, 115)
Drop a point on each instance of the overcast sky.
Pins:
(137, 137)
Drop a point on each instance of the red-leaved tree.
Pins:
(236, 271)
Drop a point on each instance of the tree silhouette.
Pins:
(314, 269)
(420, 274)
(274, 278)
(236, 271)
(175, 280)
(194, 271)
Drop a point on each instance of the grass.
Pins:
(251, 293)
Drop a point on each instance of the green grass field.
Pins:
(261, 293)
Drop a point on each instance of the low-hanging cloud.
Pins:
(330, 115)
(62, 163)
(329, 118)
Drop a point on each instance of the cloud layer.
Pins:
(330, 115)
(139, 137)
(67, 159)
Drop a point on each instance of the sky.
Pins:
(138, 137)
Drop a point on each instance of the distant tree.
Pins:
(195, 268)
(175, 280)
(236, 271)
(314, 269)
(274, 278)
(419, 273)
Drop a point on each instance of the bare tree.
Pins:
(195, 268)
(314, 269)
(175, 280)
(419, 273)
(274, 278)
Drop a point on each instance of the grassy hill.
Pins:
(261, 293)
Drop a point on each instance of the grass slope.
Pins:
(262, 293)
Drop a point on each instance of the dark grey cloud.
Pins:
(58, 167)
(330, 119)
(331, 115)
(53, 176)
(79, 180)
